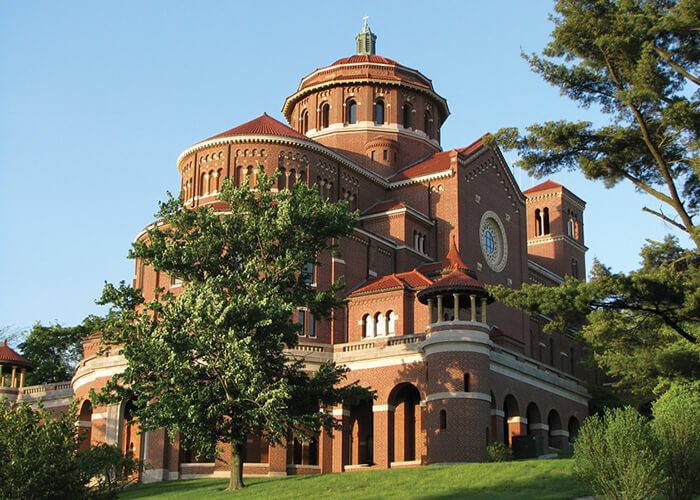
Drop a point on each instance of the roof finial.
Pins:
(366, 40)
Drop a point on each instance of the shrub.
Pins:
(499, 452)
(106, 469)
(39, 457)
(37, 453)
(615, 456)
(677, 427)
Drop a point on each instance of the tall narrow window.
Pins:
(379, 112)
(427, 124)
(385, 154)
(545, 221)
(302, 317)
(305, 122)
(312, 326)
(379, 324)
(325, 115)
(466, 382)
(443, 420)
(406, 115)
(367, 326)
(352, 112)
(574, 268)
(390, 323)
(538, 223)
(308, 271)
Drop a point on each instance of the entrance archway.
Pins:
(405, 399)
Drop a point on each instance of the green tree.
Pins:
(633, 59)
(211, 363)
(55, 350)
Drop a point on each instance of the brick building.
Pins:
(453, 370)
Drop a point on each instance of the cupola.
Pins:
(13, 367)
(458, 295)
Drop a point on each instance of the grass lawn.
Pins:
(532, 479)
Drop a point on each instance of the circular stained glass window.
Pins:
(494, 244)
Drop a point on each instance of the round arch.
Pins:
(511, 418)
(405, 399)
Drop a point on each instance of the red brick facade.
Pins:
(452, 371)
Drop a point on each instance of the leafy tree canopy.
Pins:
(55, 350)
(210, 363)
(637, 60)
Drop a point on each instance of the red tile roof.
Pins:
(263, 125)
(415, 279)
(544, 186)
(411, 280)
(474, 145)
(456, 279)
(7, 355)
(383, 206)
(433, 164)
(373, 58)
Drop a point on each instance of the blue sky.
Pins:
(98, 99)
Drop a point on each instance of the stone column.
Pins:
(431, 319)
(472, 303)
(13, 379)
(483, 310)
(439, 309)
(456, 298)
(2, 377)
(22, 374)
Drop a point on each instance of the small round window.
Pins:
(494, 245)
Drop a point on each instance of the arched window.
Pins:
(390, 323)
(415, 240)
(574, 268)
(545, 221)
(379, 325)
(367, 326)
(351, 111)
(379, 112)
(406, 115)
(292, 178)
(422, 243)
(305, 122)
(466, 382)
(538, 223)
(251, 176)
(202, 184)
(577, 233)
(239, 176)
(443, 420)
(219, 178)
(282, 179)
(428, 124)
(325, 115)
